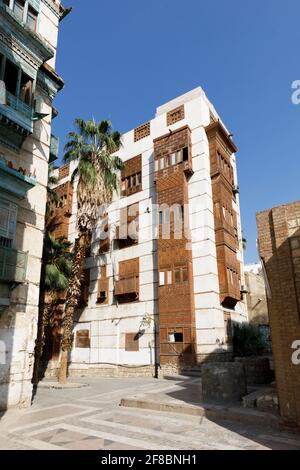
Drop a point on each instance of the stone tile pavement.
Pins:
(90, 418)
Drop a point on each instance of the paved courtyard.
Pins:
(90, 418)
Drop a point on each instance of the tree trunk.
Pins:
(62, 376)
(40, 341)
(73, 297)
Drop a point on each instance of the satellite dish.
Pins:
(2, 92)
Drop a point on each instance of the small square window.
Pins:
(175, 337)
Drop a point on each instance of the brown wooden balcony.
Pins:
(127, 286)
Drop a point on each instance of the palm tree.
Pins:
(92, 146)
(56, 269)
(52, 197)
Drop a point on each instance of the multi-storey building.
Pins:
(166, 293)
(28, 84)
(279, 247)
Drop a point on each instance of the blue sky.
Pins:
(120, 59)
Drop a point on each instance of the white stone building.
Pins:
(28, 84)
(189, 294)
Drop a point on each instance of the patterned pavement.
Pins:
(90, 419)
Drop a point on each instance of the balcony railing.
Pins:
(18, 116)
(13, 265)
(18, 105)
(127, 286)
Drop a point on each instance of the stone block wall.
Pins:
(279, 246)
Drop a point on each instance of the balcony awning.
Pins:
(14, 182)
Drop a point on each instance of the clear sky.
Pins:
(120, 59)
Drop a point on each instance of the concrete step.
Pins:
(212, 412)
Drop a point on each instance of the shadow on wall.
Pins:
(16, 327)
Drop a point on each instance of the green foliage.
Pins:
(52, 197)
(94, 141)
(248, 340)
(57, 263)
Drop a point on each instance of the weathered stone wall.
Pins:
(279, 246)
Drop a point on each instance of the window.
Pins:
(8, 220)
(32, 19)
(173, 159)
(132, 342)
(185, 154)
(179, 156)
(155, 165)
(162, 163)
(177, 276)
(162, 278)
(11, 77)
(178, 214)
(169, 277)
(175, 337)
(142, 131)
(83, 339)
(185, 274)
(131, 184)
(175, 115)
(19, 6)
(26, 89)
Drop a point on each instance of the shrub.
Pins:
(248, 340)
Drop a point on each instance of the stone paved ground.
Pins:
(90, 418)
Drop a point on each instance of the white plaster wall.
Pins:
(47, 28)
